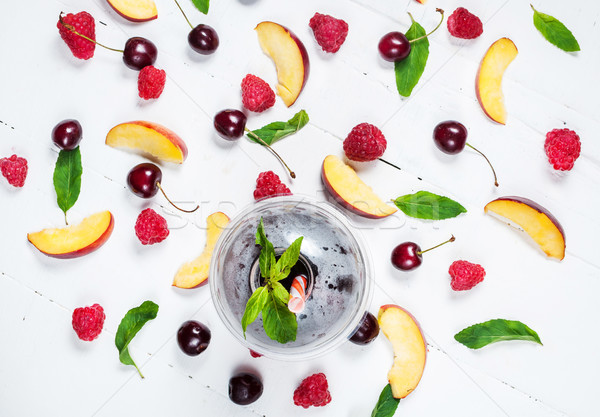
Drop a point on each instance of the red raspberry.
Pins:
(151, 82)
(268, 184)
(465, 25)
(562, 148)
(313, 391)
(82, 23)
(365, 143)
(329, 32)
(151, 227)
(14, 169)
(88, 321)
(254, 354)
(465, 275)
(257, 95)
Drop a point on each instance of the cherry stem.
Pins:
(255, 136)
(72, 29)
(440, 11)
(452, 239)
(488, 161)
(177, 3)
(173, 204)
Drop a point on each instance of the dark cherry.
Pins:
(245, 388)
(139, 52)
(144, 180)
(394, 46)
(203, 39)
(230, 124)
(408, 255)
(193, 337)
(450, 137)
(67, 134)
(367, 331)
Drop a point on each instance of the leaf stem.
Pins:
(255, 136)
(173, 204)
(72, 29)
(452, 239)
(488, 161)
(66, 222)
(177, 3)
(440, 11)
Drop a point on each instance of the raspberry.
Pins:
(14, 169)
(151, 82)
(88, 321)
(465, 25)
(268, 184)
(465, 275)
(562, 148)
(330, 33)
(254, 354)
(313, 391)
(151, 227)
(82, 23)
(257, 95)
(365, 143)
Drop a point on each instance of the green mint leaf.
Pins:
(130, 325)
(429, 206)
(386, 405)
(280, 292)
(287, 260)
(67, 178)
(278, 321)
(555, 32)
(267, 254)
(254, 306)
(482, 334)
(409, 70)
(202, 5)
(272, 132)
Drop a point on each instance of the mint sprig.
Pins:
(67, 178)
(555, 31)
(272, 132)
(202, 5)
(271, 299)
(497, 330)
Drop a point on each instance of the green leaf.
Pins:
(130, 325)
(287, 260)
(267, 254)
(555, 32)
(482, 334)
(254, 306)
(67, 178)
(386, 405)
(429, 206)
(202, 5)
(272, 132)
(280, 292)
(279, 323)
(409, 70)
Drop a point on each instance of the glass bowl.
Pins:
(339, 274)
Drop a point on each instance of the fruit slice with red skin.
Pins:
(135, 10)
(410, 348)
(148, 138)
(290, 58)
(350, 191)
(534, 219)
(195, 273)
(76, 240)
(488, 83)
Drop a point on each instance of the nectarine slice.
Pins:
(488, 84)
(76, 240)
(135, 10)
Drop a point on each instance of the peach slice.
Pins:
(350, 191)
(534, 219)
(195, 273)
(290, 58)
(488, 83)
(135, 10)
(148, 138)
(410, 349)
(76, 240)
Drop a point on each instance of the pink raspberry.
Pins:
(151, 227)
(88, 322)
(82, 23)
(465, 25)
(257, 95)
(268, 184)
(151, 82)
(364, 143)
(329, 32)
(562, 147)
(465, 275)
(313, 391)
(14, 169)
